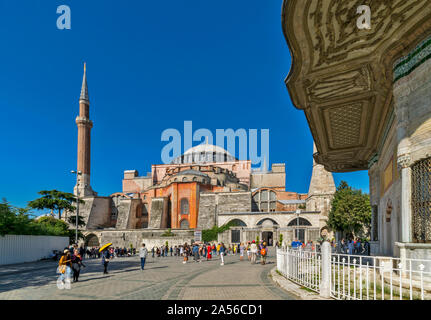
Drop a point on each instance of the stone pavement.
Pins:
(163, 278)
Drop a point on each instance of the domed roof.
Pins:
(205, 153)
(206, 148)
(191, 172)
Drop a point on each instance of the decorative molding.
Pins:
(343, 77)
(404, 161)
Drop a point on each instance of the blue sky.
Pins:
(151, 65)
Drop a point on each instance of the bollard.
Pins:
(325, 281)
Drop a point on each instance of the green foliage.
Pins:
(14, 220)
(168, 233)
(72, 220)
(351, 210)
(54, 200)
(257, 239)
(18, 221)
(166, 244)
(281, 239)
(211, 234)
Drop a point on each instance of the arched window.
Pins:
(237, 223)
(184, 224)
(421, 199)
(267, 223)
(265, 201)
(300, 222)
(184, 204)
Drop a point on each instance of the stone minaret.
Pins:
(321, 190)
(84, 136)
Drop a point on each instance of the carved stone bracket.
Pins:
(404, 161)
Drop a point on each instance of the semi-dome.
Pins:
(191, 172)
(205, 153)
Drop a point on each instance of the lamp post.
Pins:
(78, 173)
(298, 211)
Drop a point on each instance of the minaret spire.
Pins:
(84, 140)
(84, 87)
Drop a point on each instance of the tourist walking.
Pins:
(209, 252)
(296, 244)
(76, 265)
(366, 247)
(263, 253)
(350, 246)
(195, 252)
(105, 260)
(143, 252)
(241, 251)
(253, 251)
(222, 251)
(64, 269)
(186, 253)
(248, 251)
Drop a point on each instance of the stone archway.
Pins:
(92, 240)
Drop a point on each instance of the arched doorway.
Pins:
(299, 225)
(268, 237)
(92, 240)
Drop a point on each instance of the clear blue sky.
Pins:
(151, 65)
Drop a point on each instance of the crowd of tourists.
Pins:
(207, 251)
(71, 261)
(353, 246)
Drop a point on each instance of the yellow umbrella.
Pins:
(105, 246)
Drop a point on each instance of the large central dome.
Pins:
(205, 153)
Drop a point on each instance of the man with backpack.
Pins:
(263, 253)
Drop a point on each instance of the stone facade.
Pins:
(203, 188)
(407, 142)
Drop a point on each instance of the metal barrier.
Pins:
(354, 277)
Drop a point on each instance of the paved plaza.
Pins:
(163, 278)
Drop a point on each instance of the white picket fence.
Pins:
(353, 277)
(301, 267)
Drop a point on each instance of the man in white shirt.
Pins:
(253, 250)
(143, 252)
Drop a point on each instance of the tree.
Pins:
(351, 210)
(14, 220)
(18, 221)
(57, 227)
(54, 200)
(212, 234)
(72, 220)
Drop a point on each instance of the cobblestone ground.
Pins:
(163, 278)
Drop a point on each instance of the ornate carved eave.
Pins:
(341, 76)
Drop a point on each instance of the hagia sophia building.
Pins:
(203, 188)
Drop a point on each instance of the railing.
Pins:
(354, 277)
(301, 267)
(379, 278)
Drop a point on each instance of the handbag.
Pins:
(61, 269)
